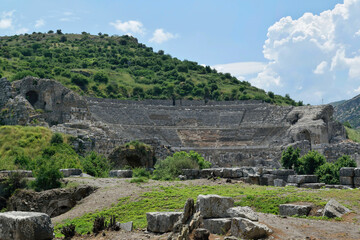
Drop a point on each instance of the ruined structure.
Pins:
(232, 133)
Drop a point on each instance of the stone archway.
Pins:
(32, 97)
(304, 135)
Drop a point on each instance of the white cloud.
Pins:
(160, 36)
(314, 56)
(22, 31)
(129, 26)
(39, 23)
(241, 70)
(6, 20)
(357, 90)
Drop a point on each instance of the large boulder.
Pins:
(218, 226)
(121, 173)
(201, 234)
(293, 209)
(71, 172)
(334, 209)
(213, 206)
(244, 228)
(52, 202)
(25, 226)
(161, 222)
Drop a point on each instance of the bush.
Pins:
(47, 177)
(101, 77)
(57, 138)
(310, 162)
(290, 157)
(141, 172)
(99, 225)
(329, 172)
(23, 74)
(68, 231)
(96, 165)
(171, 167)
(80, 80)
(13, 182)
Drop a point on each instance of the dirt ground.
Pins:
(110, 190)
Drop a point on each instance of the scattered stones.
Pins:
(121, 173)
(292, 209)
(201, 234)
(243, 212)
(292, 185)
(334, 209)
(71, 172)
(161, 222)
(25, 226)
(213, 206)
(244, 228)
(218, 226)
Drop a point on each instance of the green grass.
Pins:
(262, 198)
(353, 134)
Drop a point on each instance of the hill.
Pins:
(349, 111)
(119, 67)
(335, 104)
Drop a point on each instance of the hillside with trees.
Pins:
(120, 67)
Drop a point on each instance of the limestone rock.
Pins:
(22, 173)
(244, 228)
(349, 181)
(161, 222)
(299, 179)
(213, 206)
(334, 209)
(25, 226)
(293, 209)
(191, 173)
(71, 172)
(52, 202)
(218, 226)
(347, 172)
(243, 212)
(128, 226)
(279, 183)
(201, 234)
(312, 185)
(121, 173)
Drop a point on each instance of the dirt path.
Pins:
(110, 190)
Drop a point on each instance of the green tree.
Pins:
(47, 177)
(96, 165)
(290, 157)
(101, 77)
(310, 162)
(57, 138)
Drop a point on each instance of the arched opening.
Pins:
(304, 135)
(32, 97)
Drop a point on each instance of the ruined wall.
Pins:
(233, 133)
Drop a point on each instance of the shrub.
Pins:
(96, 165)
(57, 138)
(310, 162)
(23, 74)
(68, 231)
(329, 172)
(13, 182)
(99, 225)
(80, 80)
(171, 167)
(101, 77)
(47, 177)
(141, 172)
(290, 157)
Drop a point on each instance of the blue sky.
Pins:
(305, 48)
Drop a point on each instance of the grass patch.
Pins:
(353, 134)
(262, 198)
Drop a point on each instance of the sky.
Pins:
(307, 49)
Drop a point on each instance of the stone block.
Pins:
(211, 172)
(226, 173)
(299, 179)
(218, 226)
(120, 173)
(23, 173)
(213, 206)
(267, 179)
(357, 182)
(357, 172)
(283, 172)
(25, 226)
(312, 185)
(292, 185)
(252, 179)
(244, 228)
(349, 181)
(127, 227)
(243, 212)
(191, 173)
(347, 172)
(71, 172)
(293, 209)
(236, 173)
(279, 183)
(334, 209)
(201, 234)
(161, 222)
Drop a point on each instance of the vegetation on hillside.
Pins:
(120, 67)
(353, 134)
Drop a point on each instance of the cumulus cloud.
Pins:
(241, 70)
(160, 36)
(22, 31)
(314, 57)
(6, 20)
(129, 27)
(39, 23)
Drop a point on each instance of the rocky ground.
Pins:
(112, 189)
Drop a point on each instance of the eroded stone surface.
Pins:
(243, 212)
(218, 226)
(161, 222)
(244, 228)
(213, 206)
(334, 209)
(25, 226)
(293, 209)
